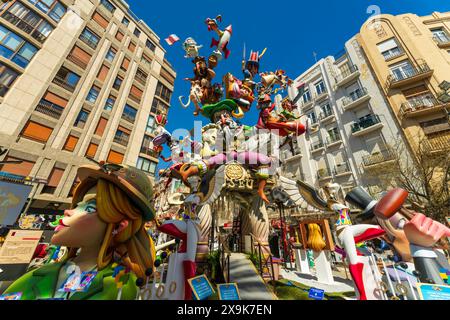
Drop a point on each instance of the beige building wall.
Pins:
(413, 96)
(22, 102)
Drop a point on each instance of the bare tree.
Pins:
(426, 176)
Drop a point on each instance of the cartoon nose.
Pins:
(68, 213)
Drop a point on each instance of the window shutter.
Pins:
(92, 150)
(119, 35)
(97, 17)
(55, 99)
(101, 126)
(115, 157)
(37, 131)
(103, 73)
(125, 63)
(55, 177)
(123, 129)
(20, 169)
(136, 92)
(80, 54)
(132, 47)
(71, 143)
(387, 45)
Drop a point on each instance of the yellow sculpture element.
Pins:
(315, 238)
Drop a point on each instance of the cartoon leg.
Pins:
(263, 175)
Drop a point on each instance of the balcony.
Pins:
(323, 174)
(24, 26)
(149, 152)
(77, 61)
(443, 41)
(64, 84)
(89, 41)
(421, 106)
(355, 99)
(318, 146)
(365, 125)
(322, 96)
(334, 140)
(122, 139)
(393, 55)
(436, 126)
(49, 109)
(135, 98)
(342, 169)
(409, 76)
(379, 158)
(308, 104)
(347, 76)
(327, 116)
(129, 117)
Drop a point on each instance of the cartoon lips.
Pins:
(61, 226)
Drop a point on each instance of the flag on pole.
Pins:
(172, 39)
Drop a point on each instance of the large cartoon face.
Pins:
(209, 136)
(81, 227)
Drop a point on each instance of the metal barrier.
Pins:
(261, 257)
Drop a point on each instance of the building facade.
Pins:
(410, 57)
(80, 80)
(356, 132)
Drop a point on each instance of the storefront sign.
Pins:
(228, 291)
(201, 287)
(433, 292)
(19, 246)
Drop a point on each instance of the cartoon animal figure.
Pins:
(250, 68)
(224, 37)
(195, 96)
(191, 48)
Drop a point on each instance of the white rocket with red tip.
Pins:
(222, 43)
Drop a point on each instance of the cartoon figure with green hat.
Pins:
(105, 226)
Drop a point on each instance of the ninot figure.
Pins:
(105, 226)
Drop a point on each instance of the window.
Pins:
(54, 9)
(122, 136)
(150, 45)
(117, 83)
(101, 126)
(90, 38)
(307, 96)
(158, 107)
(36, 131)
(136, 94)
(402, 70)
(67, 79)
(146, 61)
(389, 49)
(80, 57)
(119, 35)
(440, 35)
(81, 119)
(132, 46)
(146, 165)
(109, 105)
(125, 64)
(101, 21)
(14, 48)
(108, 5)
(129, 113)
(125, 21)
(163, 92)
(320, 88)
(28, 21)
(115, 157)
(91, 150)
(151, 125)
(141, 76)
(7, 78)
(53, 181)
(333, 133)
(111, 54)
(312, 116)
(137, 32)
(93, 94)
(102, 73)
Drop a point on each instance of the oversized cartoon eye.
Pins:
(91, 209)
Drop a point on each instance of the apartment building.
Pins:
(79, 80)
(356, 128)
(410, 57)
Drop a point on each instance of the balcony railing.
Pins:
(393, 54)
(135, 98)
(24, 26)
(80, 124)
(150, 152)
(63, 83)
(354, 96)
(378, 157)
(82, 64)
(129, 117)
(333, 139)
(342, 169)
(49, 109)
(365, 123)
(397, 79)
(141, 78)
(89, 41)
(418, 104)
(316, 146)
(122, 140)
(346, 74)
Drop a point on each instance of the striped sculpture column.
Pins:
(205, 218)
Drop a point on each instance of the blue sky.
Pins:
(291, 31)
